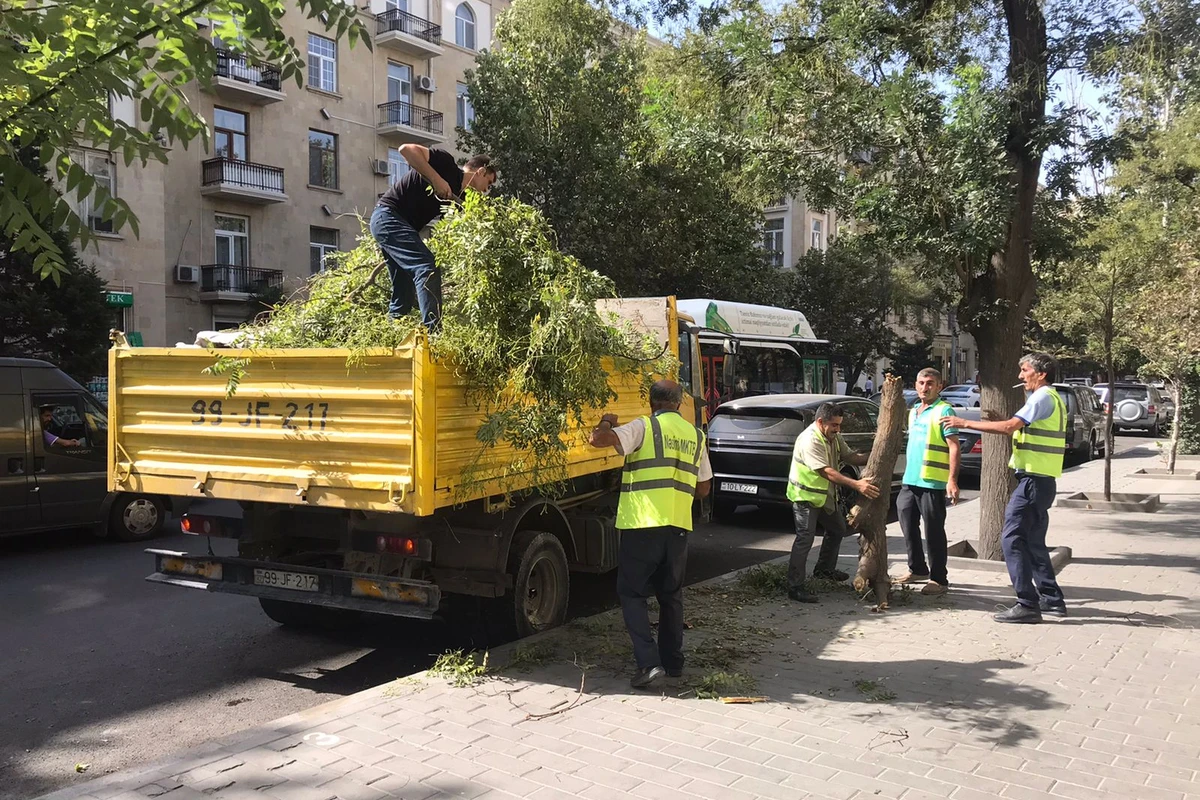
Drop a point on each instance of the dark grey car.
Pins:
(54, 459)
(1085, 429)
(750, 443)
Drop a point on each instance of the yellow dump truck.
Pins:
(349, 480)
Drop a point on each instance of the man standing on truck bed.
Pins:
(663, 472)
(409, 206)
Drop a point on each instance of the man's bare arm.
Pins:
(417, 157)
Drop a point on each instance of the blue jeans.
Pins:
(411, 267)
(1023, 540)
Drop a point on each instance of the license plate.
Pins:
(740, 488)
(286, 580)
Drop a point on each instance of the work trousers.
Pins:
(916, 505)
(833, 529)
(410, 264)
(1023, 540)
(651, 563)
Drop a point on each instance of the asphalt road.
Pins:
(99, 667)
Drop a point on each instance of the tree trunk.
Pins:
(1109, 439)
(1176, 419)
(869, 517)
(999, 352)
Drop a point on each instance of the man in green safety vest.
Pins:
(817, 460)
(1039, 436)
(666, 466)
(930, 476)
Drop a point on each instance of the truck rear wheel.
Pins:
(541, 584)
(136, 517)
(308, 617)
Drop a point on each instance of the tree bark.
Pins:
(995, 303)
(869, 517)
(1176, 419)
(1109, 439)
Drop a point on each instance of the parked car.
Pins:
(962, 394)
(1137, 406)
(750, 443)
(1085, 429)
(53, 459)
(910, 398)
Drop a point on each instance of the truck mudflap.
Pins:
(331, 588)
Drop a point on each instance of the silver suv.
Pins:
(1136, 406)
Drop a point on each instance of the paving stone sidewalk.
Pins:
(931, 699)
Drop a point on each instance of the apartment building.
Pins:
(288, 169)
(791, 228)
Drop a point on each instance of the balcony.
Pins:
(230, 283)
(408, 33)
(405, 122)
(243, 181)
(238, 80)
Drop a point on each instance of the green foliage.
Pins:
(1189, 428)
(874, 692)
(909, 358)
(62, 61)
(531, 655)
(848, 292)
(768, 581)
(234, 370)
(461, 669)
(520, 325)
(720, 684)
(66, 324)
(565, 100)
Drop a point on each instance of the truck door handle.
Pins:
(35, 489)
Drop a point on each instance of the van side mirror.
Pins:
(731, 346)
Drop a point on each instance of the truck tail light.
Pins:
(200, 525)
(978, 446)
(396, 544)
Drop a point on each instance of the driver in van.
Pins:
(49, 425)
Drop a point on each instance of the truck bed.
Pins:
(392, 432)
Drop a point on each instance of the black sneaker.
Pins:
(1053, 609)
(674, 673)
(835, 575)
(648, 678)
(803, 596)
(1020, 614)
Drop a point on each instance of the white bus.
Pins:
(776, 351)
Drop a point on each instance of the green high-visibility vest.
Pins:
(659, 480)
(1038, 448)
(806, 485)
(935, 464)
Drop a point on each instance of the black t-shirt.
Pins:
(412, 198)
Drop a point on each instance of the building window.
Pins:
(817, 241)
(464, 26)
(233, 240)
(230, 137)
(321, 242)
(773, 235)
(322, 63)
(396, 5)
(466, 112)
(322, 159)
(397, 166)
(102, 169)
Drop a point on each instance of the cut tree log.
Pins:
(869, 517)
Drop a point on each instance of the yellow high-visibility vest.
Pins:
(659, 479)
(1038, 448)
(935, 465)
(806, 485)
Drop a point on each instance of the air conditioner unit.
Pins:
(381, 167)
(186, 274)
(425, 83)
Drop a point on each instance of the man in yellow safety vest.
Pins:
(666, 466)
(817, 459)
(1039, 434)
(930, 476)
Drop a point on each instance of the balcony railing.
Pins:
(234, 66)
(402, 21)
(244, 280)
(242, 174)
(399, 112)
